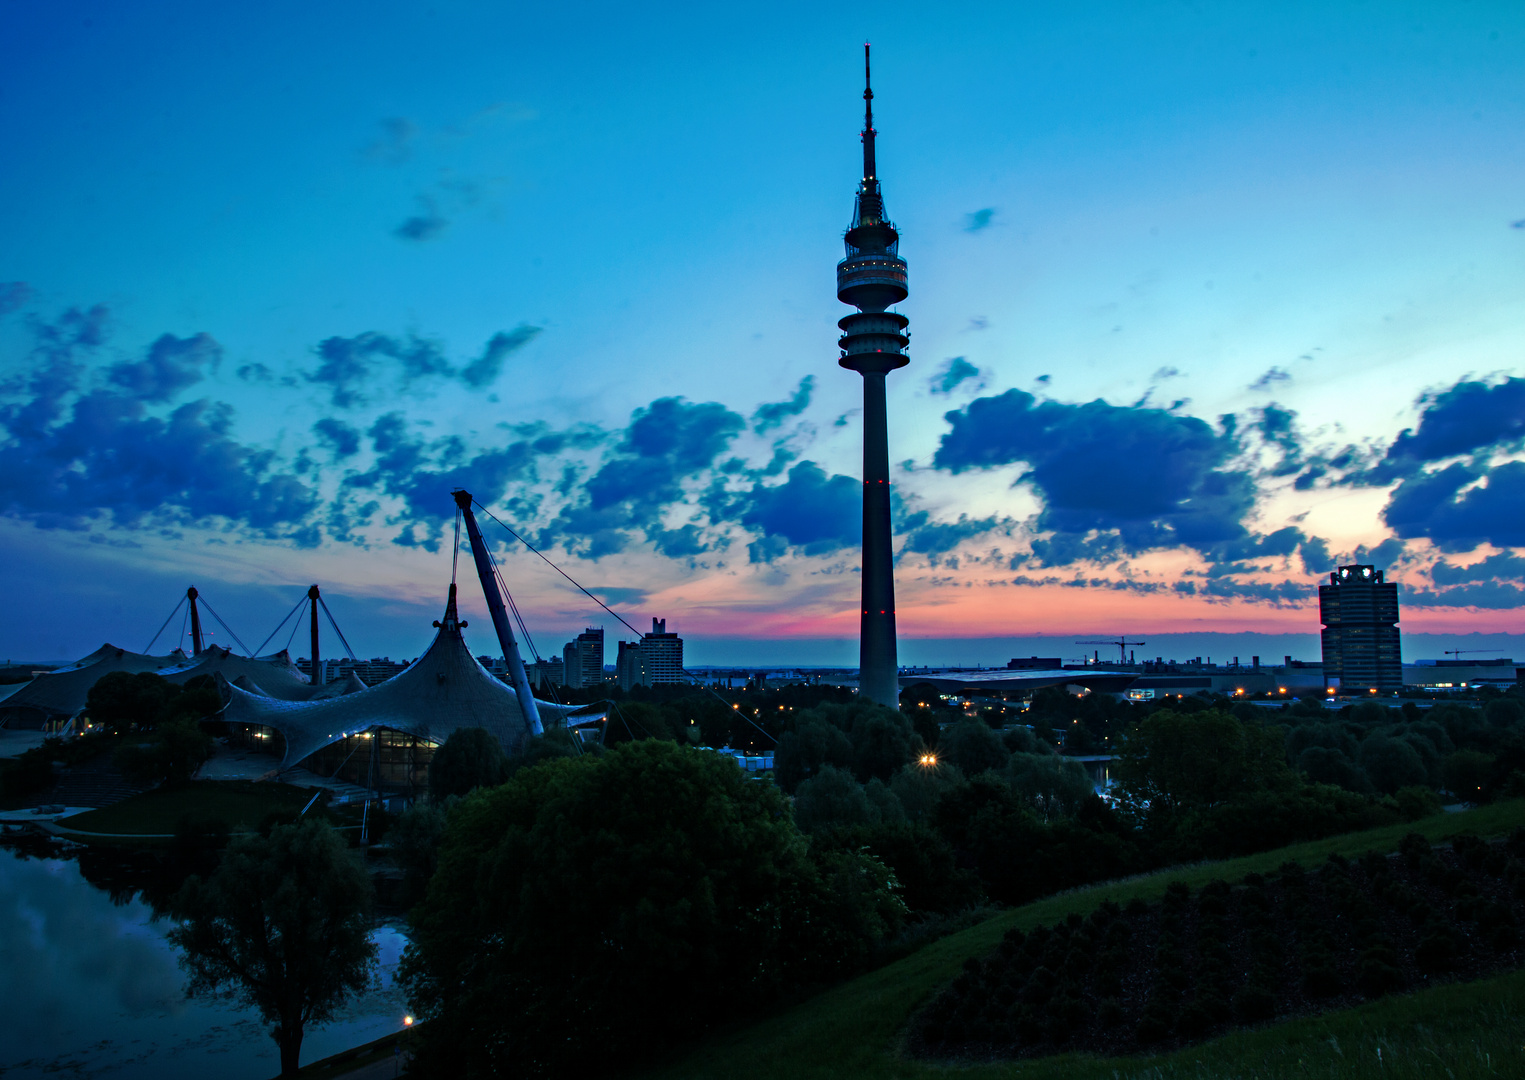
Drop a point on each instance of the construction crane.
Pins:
(1122, 647)
(1461, 652)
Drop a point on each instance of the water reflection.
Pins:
(91, 988)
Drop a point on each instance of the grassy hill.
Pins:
(1455, 1032)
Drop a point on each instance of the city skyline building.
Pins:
(655, 660)
(1361, 645)
(872, 278)
(583, 658)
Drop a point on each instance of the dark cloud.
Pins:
(350, 366)
(424, 225)
(773, 414)
(1270, 379)
(811, 512)
(1315, 556)
(953, 372)
(1165, 373)
(255, 372)
(1278, 427)
(171, 365)
(1384, 555)
(1283, 594)
(1488, 595)
(485, 369)
(619, 595)
(13, 296)
(1112, 478)
(1468, 418)
(341, 439)
(422, 473)
(1434, 506)
(1501, 567)
(666, 443)
(935, 538)
(72, 456)
(979, 220)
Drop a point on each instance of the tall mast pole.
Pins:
(499, 613)
(196, 646)
(317, 666)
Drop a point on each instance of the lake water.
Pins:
(90, 987)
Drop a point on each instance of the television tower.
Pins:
(871, 278)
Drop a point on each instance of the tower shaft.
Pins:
(317, 663)
(878, 668)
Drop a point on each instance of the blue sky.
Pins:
(1180, 280)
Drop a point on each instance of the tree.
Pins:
(121, 701)
(178, 746)
(883, 741)
(973, 747)
(1392, 763)
(593, 910)
(283, 926)
(832, 799)
(1196, 761)
(470, 758)
(1053, 786)
(177, 749)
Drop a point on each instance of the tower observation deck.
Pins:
(872, 278)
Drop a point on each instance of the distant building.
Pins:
(378, 669)
(1360, 615)
(543, 673)
(583, 659)
(655, 660)
(662, 655)
(628, 669)
(1034, 663)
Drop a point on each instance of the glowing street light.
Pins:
(927, 761)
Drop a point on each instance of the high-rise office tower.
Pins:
(1360, 615)
(583, 658)
(872, 278)
(661, 655)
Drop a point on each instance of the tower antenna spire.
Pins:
(870, 177)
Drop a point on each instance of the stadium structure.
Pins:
(381, 737)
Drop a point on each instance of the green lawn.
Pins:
(243, 804)
(1453, 1032)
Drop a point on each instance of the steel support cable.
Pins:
(455, 552)
(335, 625)
(610, 610)
(166, 623)
(278, 626)
(292, 636)
(225, 626)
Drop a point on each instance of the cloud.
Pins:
(953, 372)
(1489, 595)
(1503, 566)
(811, 512)
(773, 414)
(619, 595)
(255, 372)
(1165, 373)
(1112, 478)
(171, 365)
(395, 145)
(1315, 556)
(424, 225)
(978, 323)
(666, 444)
(1442, 507)
(1270, 379)
(72, 456)
(1469, 417)
(348, 365)
(978, 220)
(935, 538)
(13, 296)
(339, 437)
(485, 369)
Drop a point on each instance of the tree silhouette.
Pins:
(283, 926)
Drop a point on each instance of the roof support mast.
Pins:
(196, 646)
(317, 665)
(499, 614)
